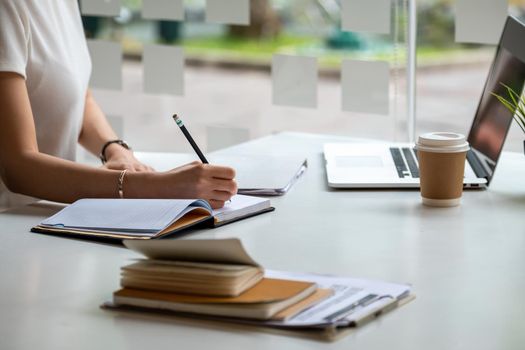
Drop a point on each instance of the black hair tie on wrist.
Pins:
(102, 154)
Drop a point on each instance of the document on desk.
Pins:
(261, 175)
(347, 303)
(351, 303)
(264, 175)
(354, 301)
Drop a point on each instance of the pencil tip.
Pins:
(175, 117)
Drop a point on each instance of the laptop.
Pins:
(372, 165)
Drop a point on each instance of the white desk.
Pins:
(467, 265)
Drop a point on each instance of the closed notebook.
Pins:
(145, 218)
(193, 278)
(262, 301)
(202, 267)
(210, 277)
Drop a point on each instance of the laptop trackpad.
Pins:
(358, 162)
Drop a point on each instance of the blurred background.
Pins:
(228, 83)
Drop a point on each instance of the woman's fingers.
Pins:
(220, 195)
(216, 204)
(213, 183)
(229, 186)
(221, 172)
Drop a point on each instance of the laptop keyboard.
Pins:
(411, 162)
(405, 162)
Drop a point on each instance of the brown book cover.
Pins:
(262, 301)
(266, 291)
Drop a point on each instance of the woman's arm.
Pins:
(27, 171)
(96, 131)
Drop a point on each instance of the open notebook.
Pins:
(145, 218)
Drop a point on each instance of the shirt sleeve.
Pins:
(14, 37)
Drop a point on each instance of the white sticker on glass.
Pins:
(117, 124)
(365, 87)
(163, 69)
(372, 16)
(294, 81)
(228, 11)
(100, 7)
(480, 21)
(106, 59)
(163, 9)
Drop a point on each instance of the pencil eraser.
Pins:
(373, 16)
(219, 137)
(163, 69)
(480, 21)
(170, 10)
(294, 81)
(365, 87)
(100, 7)
(228, 11)
(106, 60)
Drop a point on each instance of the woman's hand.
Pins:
(213, 183)
(119, 158)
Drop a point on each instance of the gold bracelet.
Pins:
(121, 183)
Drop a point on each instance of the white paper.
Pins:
(263, 175)
(366, 16)
(195, 250)
(294, 81)
(480, 21)
(228, 11)
(163, 9)
(346, 292)
(163, 69)
(100, 7)
(365, 87)
(222, 137)
(239, 206)
(106, 59)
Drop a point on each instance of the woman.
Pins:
(46, 109)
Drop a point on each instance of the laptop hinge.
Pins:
(476, 165)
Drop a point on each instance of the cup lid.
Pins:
(442, 142)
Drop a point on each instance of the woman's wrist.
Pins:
(116, 150)
(144, 185)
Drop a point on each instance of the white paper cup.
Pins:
(441, 158)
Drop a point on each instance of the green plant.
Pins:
(515, 103)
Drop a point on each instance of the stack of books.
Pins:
(218, 280)
(194, 277)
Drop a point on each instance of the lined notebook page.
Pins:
(148, 215)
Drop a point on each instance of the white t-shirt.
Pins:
(43, 41)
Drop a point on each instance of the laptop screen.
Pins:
(493, 119)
